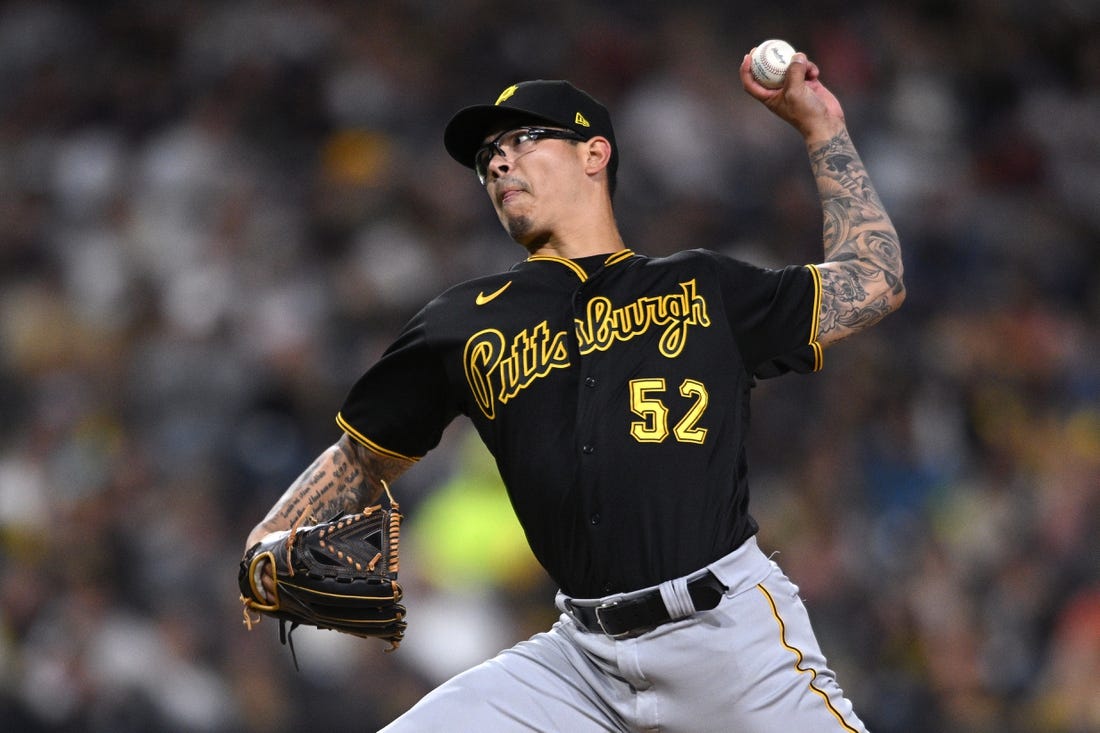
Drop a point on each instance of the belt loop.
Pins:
(676, 597)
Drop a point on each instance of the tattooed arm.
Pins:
(861, 276)
(345, 478)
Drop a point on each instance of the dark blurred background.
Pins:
(214, 215)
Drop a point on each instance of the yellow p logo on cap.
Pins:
(506, 93)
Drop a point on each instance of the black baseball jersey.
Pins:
(613, 392)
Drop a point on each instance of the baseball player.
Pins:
(612, 389)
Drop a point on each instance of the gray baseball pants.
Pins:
(750, 665)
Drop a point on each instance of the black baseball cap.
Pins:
(547, 102)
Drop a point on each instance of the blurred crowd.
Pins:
(214, 215)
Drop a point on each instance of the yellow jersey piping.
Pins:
(367, 442)
(612, 259)
(815, 319)
(618, 257)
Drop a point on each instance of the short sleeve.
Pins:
(402, 404)
(774, 314)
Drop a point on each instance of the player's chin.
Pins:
(519, 227)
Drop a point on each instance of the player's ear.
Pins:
(597, 154)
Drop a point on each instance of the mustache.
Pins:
(510, 183)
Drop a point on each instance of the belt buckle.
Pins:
(599, 620)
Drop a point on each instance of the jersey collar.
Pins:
(612, 259)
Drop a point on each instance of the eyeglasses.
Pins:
(514, 143)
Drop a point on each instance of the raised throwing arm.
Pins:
(861, 275)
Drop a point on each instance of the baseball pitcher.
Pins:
(612, 388)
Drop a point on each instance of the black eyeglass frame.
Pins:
(485, 153)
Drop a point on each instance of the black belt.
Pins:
(637, 615)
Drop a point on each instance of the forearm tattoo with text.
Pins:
(345, 478)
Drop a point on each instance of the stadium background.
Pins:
(214, 215)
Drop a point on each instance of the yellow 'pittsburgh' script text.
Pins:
(497, 370)
(604, 325)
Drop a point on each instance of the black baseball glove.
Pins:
(339, 575)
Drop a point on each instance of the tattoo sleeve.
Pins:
(346, 477)
(861, 277)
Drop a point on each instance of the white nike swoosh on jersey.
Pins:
(482, 298)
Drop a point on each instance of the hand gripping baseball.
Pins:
(339, 575)
(803, 101)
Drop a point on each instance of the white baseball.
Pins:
(770, 61)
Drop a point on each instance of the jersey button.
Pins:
(588, 450)
(595, 519)
(590, 382)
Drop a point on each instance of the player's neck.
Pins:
(590, 236)
(574, 251)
